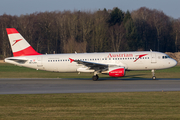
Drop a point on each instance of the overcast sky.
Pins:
(18, 7)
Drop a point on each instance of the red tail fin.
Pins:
(19, 46)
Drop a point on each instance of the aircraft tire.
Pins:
(154, 77)
(95, 77)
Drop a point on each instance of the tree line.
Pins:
(100, 31)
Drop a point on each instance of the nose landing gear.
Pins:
(153, 75)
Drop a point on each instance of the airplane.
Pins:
(114, 64)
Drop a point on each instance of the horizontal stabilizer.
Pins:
(17, 60)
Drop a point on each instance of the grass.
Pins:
(88, 106)
(12, 71)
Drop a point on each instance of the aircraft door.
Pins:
(153, 57)
(39, 63)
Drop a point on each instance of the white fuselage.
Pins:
(61, 62)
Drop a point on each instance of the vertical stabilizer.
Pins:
(19, 46)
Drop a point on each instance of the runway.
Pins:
(62, 85)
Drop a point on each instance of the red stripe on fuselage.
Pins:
(11, 31)
(26, 52)
(140, 56)
(71, 60)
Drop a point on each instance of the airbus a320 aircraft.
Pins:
(115, 64)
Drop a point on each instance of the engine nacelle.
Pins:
(117, 72)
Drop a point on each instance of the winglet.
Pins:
(71, 60)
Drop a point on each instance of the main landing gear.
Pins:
(95, 77)
(153, 75)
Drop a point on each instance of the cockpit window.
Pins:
(165, 57)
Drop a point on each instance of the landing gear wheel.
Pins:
(154, 77)
(95, 77)
(153, 74)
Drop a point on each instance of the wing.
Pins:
(92, 65)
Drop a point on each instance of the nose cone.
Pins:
(173, 63)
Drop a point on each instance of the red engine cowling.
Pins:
(118, 72)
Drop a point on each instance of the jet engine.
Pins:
(117, 72)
